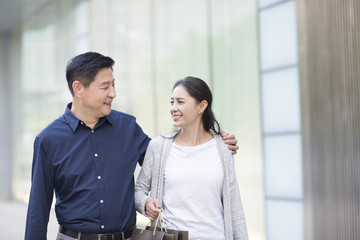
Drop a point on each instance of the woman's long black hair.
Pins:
(199, 90)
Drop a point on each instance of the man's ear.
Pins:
(77, 88)
(203, 106)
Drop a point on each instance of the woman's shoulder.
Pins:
(161, 139)
(222, 146)
(156, 140)
(219, 139)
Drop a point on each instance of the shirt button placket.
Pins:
(100, 201)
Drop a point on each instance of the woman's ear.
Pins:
(203, 105)
(77, 88)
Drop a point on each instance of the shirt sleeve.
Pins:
(142, 141)
(41, 194)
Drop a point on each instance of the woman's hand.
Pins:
(152, 208)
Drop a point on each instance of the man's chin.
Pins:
(106, 112)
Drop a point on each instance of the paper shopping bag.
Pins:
(181, 235)
(146, 234)
(178, 234)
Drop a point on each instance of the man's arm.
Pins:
(41, 195)
(142, 140)
(230, 140)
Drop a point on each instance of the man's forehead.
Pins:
(107, 81)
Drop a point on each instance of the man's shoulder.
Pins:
(117, 116)
(54, 128)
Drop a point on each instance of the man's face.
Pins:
(98, 96)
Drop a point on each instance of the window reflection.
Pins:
(154, 43)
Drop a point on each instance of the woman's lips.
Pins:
(176, 117)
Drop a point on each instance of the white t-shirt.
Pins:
(192, 198)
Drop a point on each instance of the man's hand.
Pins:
(230, 140)
(152, 208)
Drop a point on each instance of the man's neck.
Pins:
(83, 116)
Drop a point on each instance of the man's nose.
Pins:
(112, 92)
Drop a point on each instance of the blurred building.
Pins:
(284, 74)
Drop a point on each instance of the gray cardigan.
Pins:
(150, 180)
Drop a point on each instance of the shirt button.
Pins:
(96, 154)
(99, 177)
(102, 226)
(81, 123)
(101, 201)
(92, 130)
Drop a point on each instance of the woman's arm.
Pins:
(238, 217)
(143, 182)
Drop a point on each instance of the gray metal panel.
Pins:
(5, 119)
(329, 63)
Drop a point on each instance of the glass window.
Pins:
(281, 101)
(181, 44)
(81, 27)
(153, 43)
(285, 220)
(265, 3)
(131, 46)
(283, 166)
(278, 36)
(41, 89)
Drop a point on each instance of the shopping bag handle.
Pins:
(160, 221)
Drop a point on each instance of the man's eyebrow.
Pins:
(107, 82)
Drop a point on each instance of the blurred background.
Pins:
(285, 80)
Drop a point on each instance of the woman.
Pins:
(191, 173)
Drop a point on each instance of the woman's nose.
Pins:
(173, 108)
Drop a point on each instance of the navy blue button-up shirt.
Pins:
(91, 171)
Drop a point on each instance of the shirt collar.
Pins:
(74, 122)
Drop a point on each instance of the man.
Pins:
(88, 156)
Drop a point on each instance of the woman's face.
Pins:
(184, 109)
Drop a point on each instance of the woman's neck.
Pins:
(192, 137)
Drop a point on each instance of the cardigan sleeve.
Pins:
(143, 182)
(147, 178)
(238, 218)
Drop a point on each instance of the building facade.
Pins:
(284, 75)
